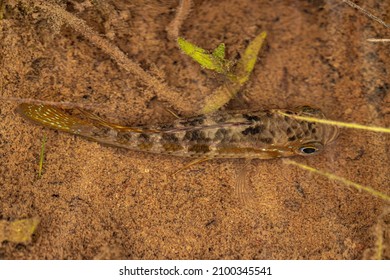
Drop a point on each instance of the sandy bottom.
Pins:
(98, 202)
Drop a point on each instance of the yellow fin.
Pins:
(56, 118)
(51, 117)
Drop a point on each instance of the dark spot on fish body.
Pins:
(144, 137)
(253, 130)
(169, 137)
(289, 131)
(196, 121)
(251, 118)
(166, 126)
(220, 134)
(268, 114)
(144, 141)
(292, 138)
(124, 137)
(267, 140)
(172, 147)
(101, 132)
(144, 146)
(196, 136)
(219, 118)
(199, 149)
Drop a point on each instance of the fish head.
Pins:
(302, 137)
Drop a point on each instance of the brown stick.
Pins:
(182, 12)
(353, 5)
(114, 52)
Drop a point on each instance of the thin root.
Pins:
(334, 177)
(338, 123)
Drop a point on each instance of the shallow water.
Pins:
(101, 202)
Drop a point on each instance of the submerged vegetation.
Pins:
(236, 73)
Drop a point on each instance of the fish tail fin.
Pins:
(54, 118)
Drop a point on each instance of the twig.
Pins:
(338, 123)
(353, 5)
(41, 157)
(375, 40)
(63, 104)
(182, 12)
(114, 52)
(334, 177)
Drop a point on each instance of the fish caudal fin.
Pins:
(56, 118)
(53, 117)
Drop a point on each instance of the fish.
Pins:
(248, 134)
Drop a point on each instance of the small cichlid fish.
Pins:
(263, 134)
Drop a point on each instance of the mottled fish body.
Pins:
(262, 134)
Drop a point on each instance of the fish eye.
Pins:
(310, 149)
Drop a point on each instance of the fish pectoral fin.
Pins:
(245, 193)
(196, 161)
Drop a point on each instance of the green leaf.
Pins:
(236, 73)
(219, 52)
(203, 57)
(248, 60)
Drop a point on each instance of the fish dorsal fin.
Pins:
(101, 122)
